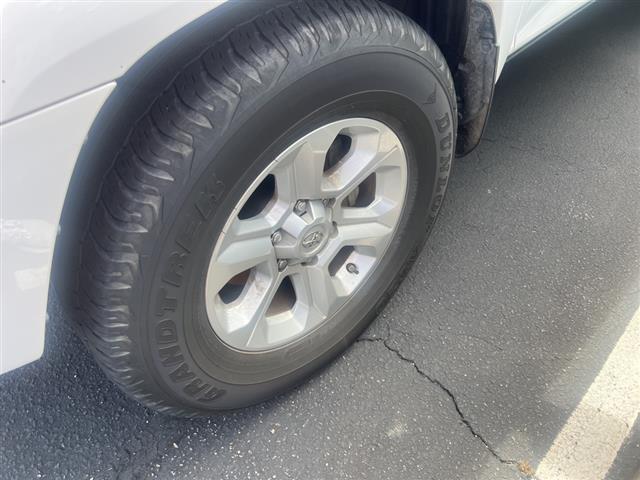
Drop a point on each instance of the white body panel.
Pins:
(38, 155)
(60, 61)
(519, 22)
(537, 17)
(506, 17)
(55, 50)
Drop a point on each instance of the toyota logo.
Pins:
(312, 240)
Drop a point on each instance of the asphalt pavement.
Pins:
(529, 279)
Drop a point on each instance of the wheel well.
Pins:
(445, 22)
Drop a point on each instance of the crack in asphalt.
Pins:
(447, 391)
(138, 461)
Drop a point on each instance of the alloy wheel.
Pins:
(306, 235)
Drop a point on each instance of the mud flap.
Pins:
(475, 76)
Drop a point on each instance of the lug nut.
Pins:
(276, 237)
(282, 264)
(352, 268)
(300, 207)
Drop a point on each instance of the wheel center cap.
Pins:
(303, 236)
(313, 240)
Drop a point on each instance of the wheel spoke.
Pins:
(371, 237)
(317, 291)
(383, 211)
(245, 245)
(240, 230)
(244, 319)
(300, 172)
(373, 234)
(359, 166)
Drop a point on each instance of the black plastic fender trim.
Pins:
(474, 77)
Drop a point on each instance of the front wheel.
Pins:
(264, 210)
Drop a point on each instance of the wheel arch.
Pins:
(135, 90)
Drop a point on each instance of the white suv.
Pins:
(225, 194)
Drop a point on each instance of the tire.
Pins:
(187, 163)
